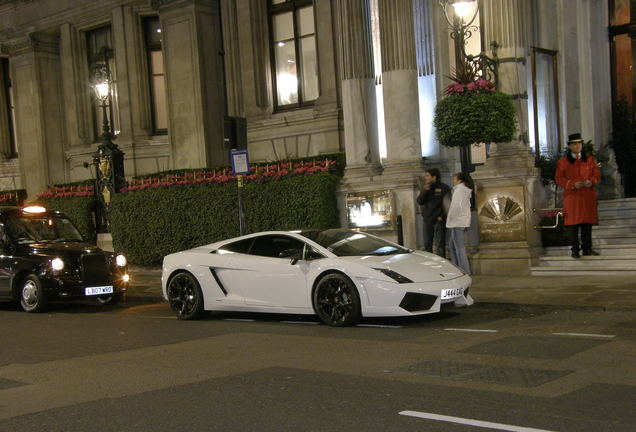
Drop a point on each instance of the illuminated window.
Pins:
(99, 44)
(294, 59)
(156, 76)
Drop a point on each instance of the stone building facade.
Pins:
(310, 77)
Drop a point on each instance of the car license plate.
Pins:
(98, 290)
(452, 293)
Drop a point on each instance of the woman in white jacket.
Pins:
(458, 219)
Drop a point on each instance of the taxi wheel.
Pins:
(336, 300)
(185, 296)
(109, 300)
(32, 295)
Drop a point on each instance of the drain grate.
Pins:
(511, 376)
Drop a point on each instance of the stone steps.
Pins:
(614, 238)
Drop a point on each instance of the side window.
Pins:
(312, 254)
(241, 246)
(275, 246)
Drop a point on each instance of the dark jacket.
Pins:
(433, 202)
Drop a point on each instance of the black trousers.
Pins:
(435, 233)
(586, 237)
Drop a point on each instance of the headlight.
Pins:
(57, 264)
(395, 276)
(120, 260)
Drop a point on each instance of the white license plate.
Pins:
(452, 293)
(98, 290)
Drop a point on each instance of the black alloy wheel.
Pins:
(185, 296)
(336, 300)
(32, 294)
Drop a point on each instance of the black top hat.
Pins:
(575, 138)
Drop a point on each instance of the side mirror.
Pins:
(294, 255)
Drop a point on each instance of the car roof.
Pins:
(17, 211)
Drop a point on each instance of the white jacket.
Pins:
(459, 211)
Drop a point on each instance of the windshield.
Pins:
(47, 229)
(352, 243)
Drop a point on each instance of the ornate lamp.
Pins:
(461, 17)
(108, 159)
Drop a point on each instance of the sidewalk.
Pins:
(580, 291)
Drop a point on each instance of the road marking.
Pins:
(377, 326)
(471, 422)
(300, 322)
(239, 319)
(586, 335)
(472, 330)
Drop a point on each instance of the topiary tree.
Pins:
(473, 112)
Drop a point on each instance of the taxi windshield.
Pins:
(42, 229)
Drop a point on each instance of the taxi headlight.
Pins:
(120, 260)
(57, 264)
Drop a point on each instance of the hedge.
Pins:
(147, 225)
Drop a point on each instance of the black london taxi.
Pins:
(44, 258)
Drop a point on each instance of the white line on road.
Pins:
(299, 322)
(378, 326)
(585, 335)
(471, 422)
(472, 330)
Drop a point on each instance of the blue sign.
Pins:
(240, 162)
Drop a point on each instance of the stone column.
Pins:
(75, 88)
(232, 51)
(35, 63)
(508, 187)
(508, 22)
(132, 94)
(399, 81)
(358, 88)
(194, 70)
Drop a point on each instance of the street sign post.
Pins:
(240, 167)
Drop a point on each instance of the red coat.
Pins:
(579, 205)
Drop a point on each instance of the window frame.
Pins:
(7, 84)
(628, 29)
(150, 74)
(91, 62)
(292, 6)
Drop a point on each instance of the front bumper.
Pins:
(64, 288)
(393, 299)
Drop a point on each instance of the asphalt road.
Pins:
(134, 367)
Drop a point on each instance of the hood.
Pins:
(62, 249)
(417, 266)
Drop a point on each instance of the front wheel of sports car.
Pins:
(32, 295)
(336, 300)
(185, 296)
(109, 300)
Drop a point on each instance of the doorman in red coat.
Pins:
(577, 173)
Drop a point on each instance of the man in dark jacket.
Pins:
(432, 197)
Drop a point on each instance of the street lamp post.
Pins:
(108, 159)
(461, 23)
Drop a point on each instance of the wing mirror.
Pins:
(294, 255)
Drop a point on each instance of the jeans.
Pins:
(456, 248)
(586, 237)
(435, 233)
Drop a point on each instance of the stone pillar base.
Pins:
(505, 258)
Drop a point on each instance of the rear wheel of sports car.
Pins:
(32, 295)
(336, 300)
(185, 296)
